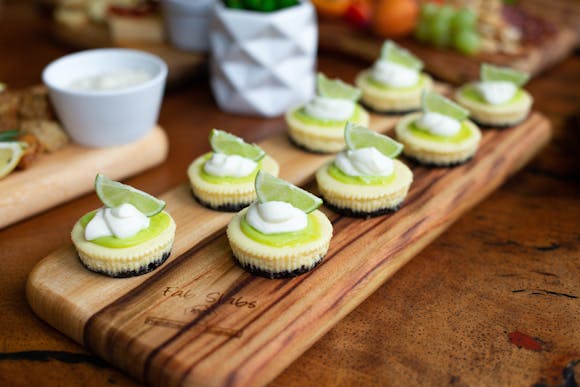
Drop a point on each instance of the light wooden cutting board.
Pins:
(70, 172)
(200, 319)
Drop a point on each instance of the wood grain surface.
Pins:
(446, 64)
(64, 175)
(494, 300)
(201, 320)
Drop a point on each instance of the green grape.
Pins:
(445, 13)
(429, 11)
(467, 42)
(464, 19)
(439, 33)
(422, 31)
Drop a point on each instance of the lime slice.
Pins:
(357, 137)
(113, 194)
(335, 88)
(433, 102)
(227, 143)
(396, 54)
(10, 154)
(270, 188)
(490, 73)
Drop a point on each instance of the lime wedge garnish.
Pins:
(10, 154)
(491, 73)
(335, 88)
(227, 143)
(357, 137)
(270, 188)
(113, 194)
(396, 54)
(433, 102)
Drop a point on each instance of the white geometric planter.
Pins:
(263, 63)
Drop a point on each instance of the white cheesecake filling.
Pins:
(220, 164)
(394, 74)
(275, 217)
(438, 124)
(121, 222)
(497, 92)
(330, 108)
(364, 162)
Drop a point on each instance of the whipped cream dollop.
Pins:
(394, 74)
(220, 164)
(364, 162)
(439, 124)
(497, 92)
(330, 108)
(274, 217)
(121, 222)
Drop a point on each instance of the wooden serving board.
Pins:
(200, 319)
(446, 64)
(70, 172)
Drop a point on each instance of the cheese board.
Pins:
(69, 172)
(200, 319)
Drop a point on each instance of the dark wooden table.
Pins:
(493, 301)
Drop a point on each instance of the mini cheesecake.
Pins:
(280, 255)
(319, 135)
(366, 196)
(226, 193)
(126, 257)
(436, 150)
(384, 99)
(504, 115)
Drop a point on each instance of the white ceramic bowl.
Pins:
(106, 117)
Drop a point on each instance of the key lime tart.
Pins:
(282, 234)
(131, 235)
(440, 135)
(223, 179)
(318, 125)
(395, 83)
(498, 99)
(365, 180)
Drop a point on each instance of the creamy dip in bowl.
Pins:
(106, 97)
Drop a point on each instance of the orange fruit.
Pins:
(331, 8)
(395, 18)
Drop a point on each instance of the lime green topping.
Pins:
(302, 116)
(270, 188)
(358, 136)
(383, 86)
(396, 54)
(433, 102)
(470, 92)
(113, 194)
(339, 175)
(228, 144)
(463, 134)
(335, 88)
(227, 179)
(158, 223)
(491, 73)
(284, 239)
